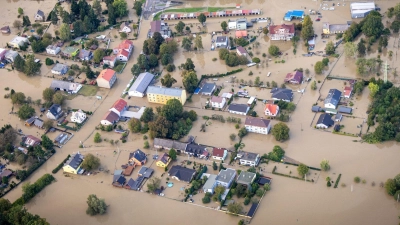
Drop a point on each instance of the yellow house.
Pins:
(328, 28)
(73, 164)
(161, 95)
(163, 161)
(18, 41)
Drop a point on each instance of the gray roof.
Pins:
(118, 172)
(333, 97)
(145, 172)
(61, 85)
(249, 156)
(338, 27)
(257, 122)
(52, 47)
(325, 119)
(195, 149)
(59, 67)
(167, 143)
(222, 39)
(164, 91)
(75, 160)
(134, 185)
(55, 109)
(246, 177)
(142, 82)
(226, 175)
(344, 109)
(207, 88)
(238, 107)
(182, 173)
(338, 116)
(315, 108)
(38, 122)
(210, 181)
(282, 94)
(40, 13)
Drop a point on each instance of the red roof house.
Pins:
(347, 91)
(219, 153)
(281, 32)
(271, 109)
(119, 106)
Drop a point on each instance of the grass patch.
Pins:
(88, 90)
(190, 10)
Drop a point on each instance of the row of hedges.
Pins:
(337, 181)
(23, 174)
(60, 165)
(205, 76)
(310, 167)
(285, 175)
(30, 190)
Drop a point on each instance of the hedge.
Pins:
(203, 170)
(285, 175)
(60, 165)
(293, 164)
(337, 181)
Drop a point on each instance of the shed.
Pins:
(344, 109)
(316, 108)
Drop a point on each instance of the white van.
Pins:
(215, 79)
(251, 64)
(269, 74)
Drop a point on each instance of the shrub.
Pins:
(49, 62)
(357, 179)
(55, 170)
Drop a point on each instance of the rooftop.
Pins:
(210, 182)
(142, 82)
(168, 143)
(272, 108)
(226, 175)
(217, 99)
(59, 67)
(238, 107)
(257, 122)
(111, 117)
(119, 105)
(75, 160)
(106, 74)
(218, 152)
(289, 28)
(246, 177)
(222, 39)
(325, 119)
(145, 172)
(164, 91)
(249, 156)
(208, 88)
(182, 173)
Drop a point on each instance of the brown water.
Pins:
(289, 202)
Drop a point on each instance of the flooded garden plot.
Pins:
(352, 126)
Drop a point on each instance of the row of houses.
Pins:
(225, 13)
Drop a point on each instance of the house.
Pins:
(78, 116)
(241, 51)
(195, 150)
(219, 154)
(125, 28)
(347, 91)
(123, 55)
(70, 51)
(207, 89)
(248, 158)
(106, 78)
(18, 41)
(226, 177)
(293, 14)
(295, 77)
(5, 173)
(110, 60)
(85, 55)
(119, 107)
(160, 27)
(271, 110)
(73, 164)
(251, 101)
(69, 87)
(5, 30)
(241, 34)
(109, 118)
(232, 25)
(328, 28)
(181, 173)
(138, 157)
(361, 9)
(38, 123)
(53, 49)
(3, 53)
(281, 32)
(227, 96)
(282, 94)
(119, 181)
(344, 109)
(59, 69)
(257, 125)
(221, 41)
(241, 109)
(128, 170)
(333, 99)
(39, 16)
(246, 178)
(124, 50)
(217, 102)
(241, 24)
(168, 144)
(161, 95)
(54, 112)
(325, 121)
(242, 93)
(145, 172)
(338, 117)
(316, 108)
(30, 121)
(138, 88)
(11, 55)
(163, 161)
(62, 138)
(32, 141)
(134, 185)
(210, 184)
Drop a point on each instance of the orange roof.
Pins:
(119, 105)
(241, 33)
(125, 44)
(106, 74)
(273, 109)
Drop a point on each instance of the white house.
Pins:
(217, 102)
(281, 32)
(54, 112)
(39, 15)
(109, 118)
(110, 61)
(59, 69)
(53, 50)
(221, 41)
(119, 106)
(123, 55)
(11, 55)
(210, 183)
(248, 158)
(138, 88)
(219, 154)
(78, 116)
(226, 177)
(332, 99)
(232, 25)
(257, 125)
(271, 110)
(18, 41)
(125, 28)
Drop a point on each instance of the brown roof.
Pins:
(241, 50)
(111, 116)
(257, 122)
(216, 99)
(128, 171)
(155, 26)
(275, 28)
(218, 152)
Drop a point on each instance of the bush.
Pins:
(357, 179)
(55, 170)
(49, 62)
(246, 201)
(97, 138)
(328, 183)
(206, 199)
(256, 60)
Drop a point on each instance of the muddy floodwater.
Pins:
(290, 201)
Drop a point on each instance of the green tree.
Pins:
(198, 43)
(190, 81)
(242, 132)
(112, 15)
(79, 28)
(318, 67)
(58, 98)
(265, 30)
(224, 25)
(180, 26)
(302, 169)
(25, 21)
(372, 25)
(53, 17)
(97, 138)
(202, 18)
(97, 7)
(90, 162)
(48, 124)
(136, 69)
(153, 184)
(307, 30)
(186, 43)
(395, 26)
(18, 98)
(361, 49)
(146, 145)
(276, 154)
(134, 125)
(31, 67)
(166, 59)
(232, 137)
(47, 143)
(20, 11)
(148, 115)
(89, 73)
(260, 192)
(143, 63)
(121, 8)
(17, 24)
(65, 32)
(281, 132)
(242, 42)
(95, 205)
(325, 165)
(172, 110)
(19, 63)
(314, 85)
(223, 53)
(207, 198)
(373, 88)
(273, 50)
(172, 154)
(160, 128)
(153, 61)
(138, 7)
(168, 80)
(25, 112)
(330, 48)
(98, 55)
(291, 107)
(256, 60)
(267, 187)
(235, 207)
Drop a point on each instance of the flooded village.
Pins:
(202, 111)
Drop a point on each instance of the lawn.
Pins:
(190, 10)
(88, 90)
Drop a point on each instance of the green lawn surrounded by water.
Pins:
(191, 10)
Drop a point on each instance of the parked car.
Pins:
(318, 19)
